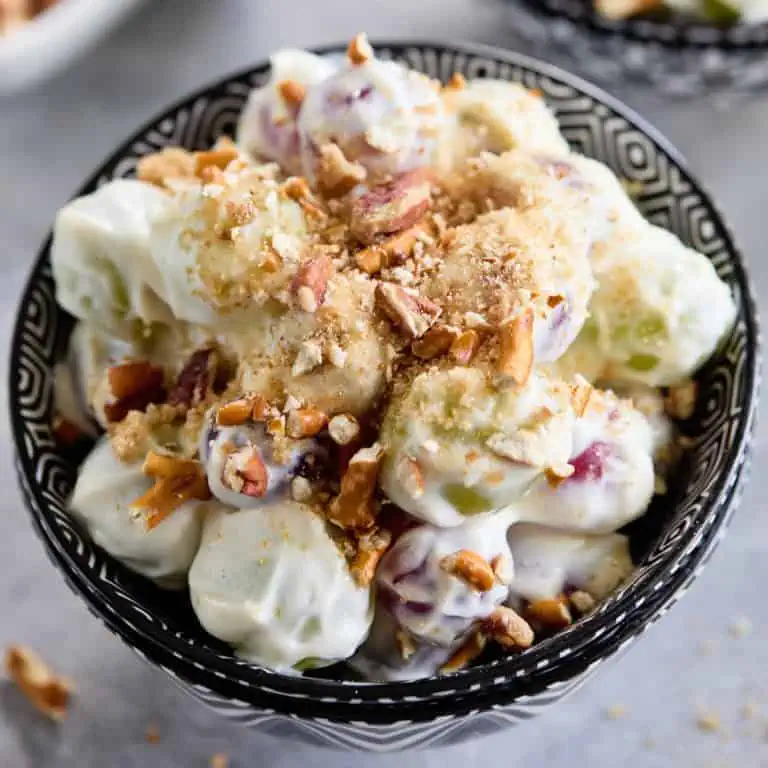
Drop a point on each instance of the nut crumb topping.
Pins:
(49, 693)
(470, 568)
(413, 315)
(171, 163)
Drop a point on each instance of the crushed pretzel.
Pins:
(436, 341)
(465, 654)
(406, 645)
(457, 82)
(581, 392)
(516, 347)
(171, 163)
(335, 174)
(235, 412)
(343, 428)
(551, 613)
(291, 92)
(359, 50)
(471, 568)
(557, 475)
(219, 760)
(355, 506)
(510, 630)
(49, 693)
(413, 315)
(464, 346)
(177, 481)
(371, 548)
(680, 401)
(503, 569)
(305, 422)
(218, 157)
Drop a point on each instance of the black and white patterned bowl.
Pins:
(677, 56)
(670, 543)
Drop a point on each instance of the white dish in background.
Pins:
(50, 41)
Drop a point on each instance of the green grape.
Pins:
(311, 662)
(466, 501)
(651, 327)
(643, 362)
(720, 12)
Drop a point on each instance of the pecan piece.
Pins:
(354, 507)
(371, 548)
(311, 280)
(516, 347)
(135, 384)
(550, 613)
(48, 692)
(392, 206)
(196, 379)
(394, 250)
(471, 568)
(413, 315)
(465, 654)
(508, 628)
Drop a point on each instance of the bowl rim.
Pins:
(483, 679)
(676, 34)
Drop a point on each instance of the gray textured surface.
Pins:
(50, 139)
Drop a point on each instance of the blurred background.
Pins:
(693, 692)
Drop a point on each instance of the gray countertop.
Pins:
(639, 712)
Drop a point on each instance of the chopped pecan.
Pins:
(413, 315)
(168, 164)
(508, 628)
(135, 385)
(680, 401)
(355, 507)
(359, 50)
(550, 613)
(311, 280)
(465, 654)
(343, 428)
(470, 568)
(196, 379)
(291, 92)
(516, 347)
(436, 341)
(392, 206)
(48, 692)
(371, 547)
(306, 422)
(464, 347)
(335, 174)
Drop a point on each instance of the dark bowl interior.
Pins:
(668, 543)
(668, 30)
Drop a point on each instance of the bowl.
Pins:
(49, 41)
(670, 543)
(677, 56)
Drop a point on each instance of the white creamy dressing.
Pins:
(101, 257)
(272, 583)
(101, 501)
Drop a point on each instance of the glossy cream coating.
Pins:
(102, 261)
(613, 475)
(450, 434)
(273, 583)
(102, 500)
(549, 561)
